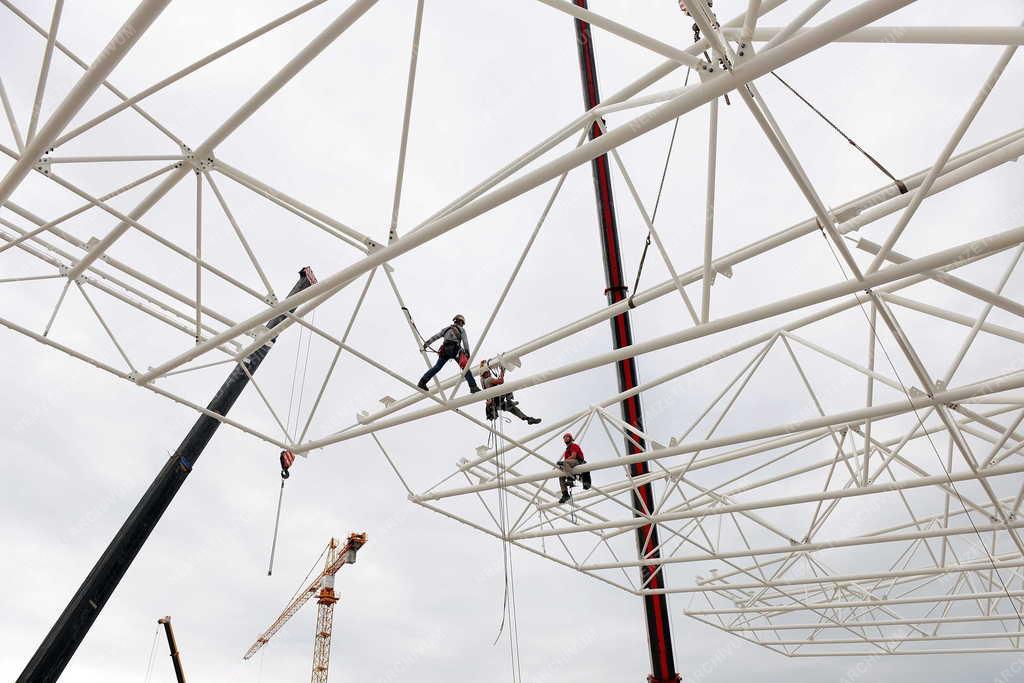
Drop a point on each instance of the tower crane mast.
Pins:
(322, 586)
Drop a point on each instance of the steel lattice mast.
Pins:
(659, 635)
(323, 588)
(324, 625)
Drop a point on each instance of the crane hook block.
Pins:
(287, 458)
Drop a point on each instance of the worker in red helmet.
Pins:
(572, 456)
(505, 402)
(455, 345)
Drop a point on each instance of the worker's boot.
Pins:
(521, 415)
(423, 386)
(585, 477)
(563, 499)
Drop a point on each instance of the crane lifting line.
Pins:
(289, 429)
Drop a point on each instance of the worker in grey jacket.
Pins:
(455, 343)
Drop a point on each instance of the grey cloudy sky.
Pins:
(424, 601)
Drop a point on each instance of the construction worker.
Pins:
(455, 343)
(504, 402)
(572, 456)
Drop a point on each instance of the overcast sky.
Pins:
(424, 601)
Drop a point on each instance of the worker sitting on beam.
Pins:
(455, 346)
(505, 402)
(572, 456)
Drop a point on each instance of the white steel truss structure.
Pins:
(837, 467)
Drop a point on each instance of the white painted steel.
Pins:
(869, 505)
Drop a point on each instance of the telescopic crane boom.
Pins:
(322, 587)
(172, 645)
(74, 623)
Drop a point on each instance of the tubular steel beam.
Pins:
(74, 623)
(947, 257)
(206, 149)
(659, 635)
(111, 55)
(718, 84)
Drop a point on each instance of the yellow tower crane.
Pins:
(323, 588)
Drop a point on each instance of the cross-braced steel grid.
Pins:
(883, 519)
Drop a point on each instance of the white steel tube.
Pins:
(9, 113)
(798, 22)
(952, 281)
(937, 260)
(118, 46)
(44, 69)
(245, 179)
(919, 194)
(844, 578)
(85, 67)
(897, 35)
(864, 210)
(181, 73)
(843, 419)
(241, 115)
(812, 547)
(410, 86)
(709, 215)
(703, 512)
(632, 35)
(749, 22)
(883, 622)
(951, 316)
(861, 603)
(759, 65)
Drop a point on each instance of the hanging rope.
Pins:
(416, 330)
(152, 653)
(305, 368)
(412, 324)
(661, 186)
(295, 374)
(654, 212)
(291, 428)
(508, 612)
(877, 164)
(493, 442)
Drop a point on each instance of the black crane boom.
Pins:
(74, 623)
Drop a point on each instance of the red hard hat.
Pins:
(567, 435)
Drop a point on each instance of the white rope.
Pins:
(152, 654)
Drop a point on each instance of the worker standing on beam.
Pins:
(455, 345)
(572, 456)
(505, 402)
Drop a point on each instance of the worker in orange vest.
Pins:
(572, 456)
